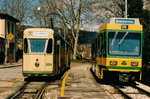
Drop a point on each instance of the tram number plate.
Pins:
(48, 64)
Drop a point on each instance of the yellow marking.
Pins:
(36, 69)
(99, 74)
(12, 82)
(106, 61)
(102, 73)
(47, 90)
(118, 27)
(123, 70)
(140, 75)
(63, 84)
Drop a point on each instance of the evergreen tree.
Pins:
(135, 8)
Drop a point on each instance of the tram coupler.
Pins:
(124, 76)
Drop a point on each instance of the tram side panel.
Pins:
(98, 54)
(68, 60)
(56, 57)
(59, 55)
(64, 57)
(61, 60)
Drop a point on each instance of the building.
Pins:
(8, 32)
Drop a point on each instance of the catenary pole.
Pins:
(126, 12)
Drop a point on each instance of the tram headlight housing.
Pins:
(37, 64)
(113, 62)
(134, 63)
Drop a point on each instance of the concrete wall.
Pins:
(2, 28)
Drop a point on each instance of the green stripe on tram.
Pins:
(39, 72)
(120, 67)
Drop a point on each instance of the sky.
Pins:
(90, 27)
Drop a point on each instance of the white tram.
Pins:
(46, 53)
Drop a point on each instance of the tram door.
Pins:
(58, 46)
(97, 51)
(101, 49)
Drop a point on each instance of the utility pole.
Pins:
(126, 12)
(52, 23)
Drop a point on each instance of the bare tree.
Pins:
(18, 9)
(75, 14)
(71, 13)
(147, 4)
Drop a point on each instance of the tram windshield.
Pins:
(37, 45)
(124, 43)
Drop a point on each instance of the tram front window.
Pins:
(37, 45)
(124, 43)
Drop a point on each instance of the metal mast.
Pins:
(126, 12)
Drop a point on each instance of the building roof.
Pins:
(6, 16)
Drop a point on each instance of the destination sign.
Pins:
(40, 33)
(124, 21)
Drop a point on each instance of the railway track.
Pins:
(132, 91)
(37, 87)
(30, 90)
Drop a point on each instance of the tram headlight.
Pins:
(134, 63)
(113, 62)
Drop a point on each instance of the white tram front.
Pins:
(42, 55)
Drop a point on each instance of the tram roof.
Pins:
(43, 33)
(57, 34)
(38, 32)
(122, 24)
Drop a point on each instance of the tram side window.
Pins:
(104, 44)
(25, 46)
(100, 45)
(49, 48)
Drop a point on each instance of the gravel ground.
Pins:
(112, 91)
(127, 89)
(53, 91)
(8, 75)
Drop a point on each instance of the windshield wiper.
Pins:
(113, 40)
(123, 38)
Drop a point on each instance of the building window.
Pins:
(12, 28)
(8, 26)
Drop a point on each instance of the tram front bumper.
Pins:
(38, 73)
